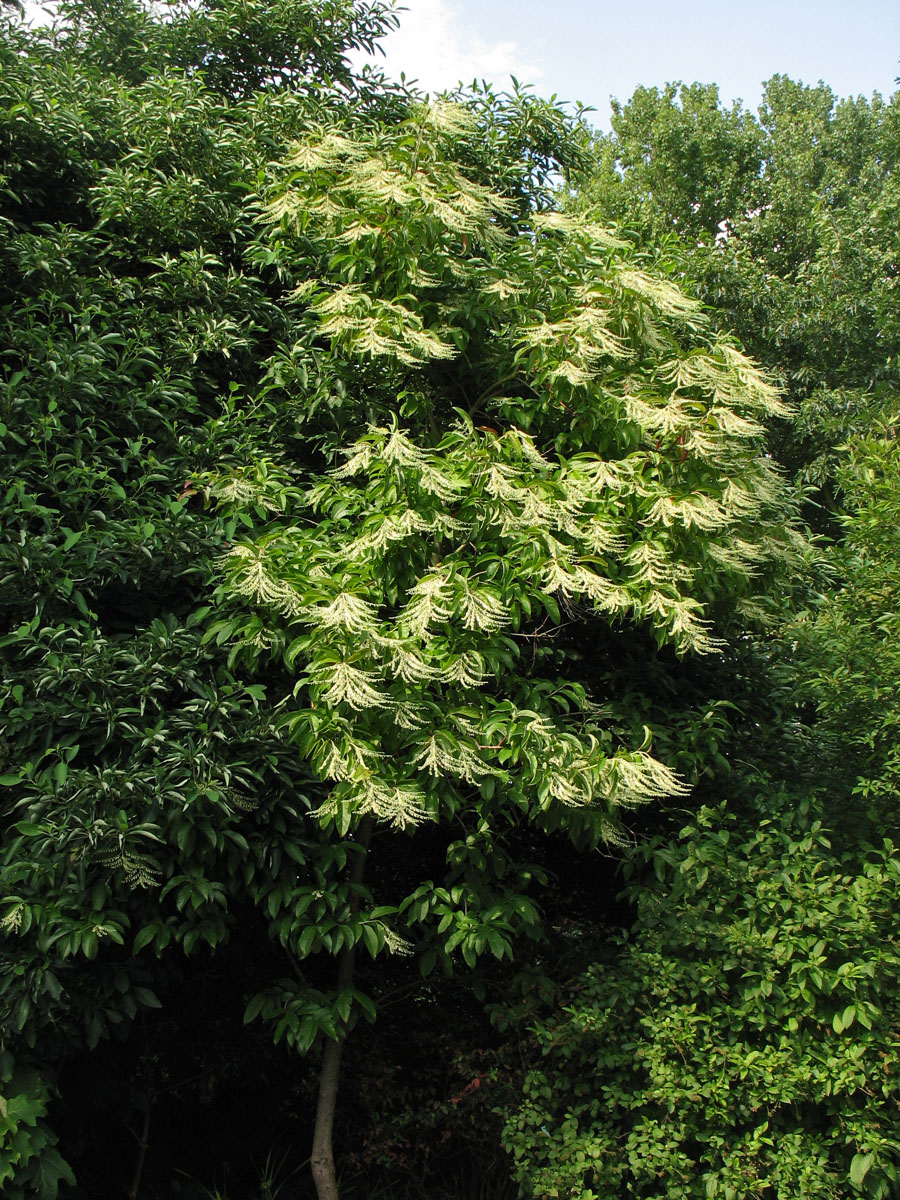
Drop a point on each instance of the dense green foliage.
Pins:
(31, 1165)
(848, 641)
(364, 509)
(128, 316)
(743, 1043)
(131, 322)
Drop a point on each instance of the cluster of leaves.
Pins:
(847, 642)
(241, 52)
(144, 793)
(744, 1040)
(30, 1164)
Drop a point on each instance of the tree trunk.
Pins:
(143, 1144)
(322, 1160)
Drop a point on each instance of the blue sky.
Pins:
(588, 51)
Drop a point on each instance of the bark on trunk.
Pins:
(322, 1160)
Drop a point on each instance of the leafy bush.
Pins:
(849, 645)
(743, 1044)
(30, 1164)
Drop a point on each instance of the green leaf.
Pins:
(254, 1007)
(859, 1168)
(370, 939)
(498, 944)
(144, 937)
(28, 828)
(51, 1169)
(146, 997)
(306, 940)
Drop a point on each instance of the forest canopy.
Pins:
(443, 746)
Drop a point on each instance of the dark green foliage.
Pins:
(130, 328)
(144, 792)
(743, 1041)
(238, 50)
(30, 1164)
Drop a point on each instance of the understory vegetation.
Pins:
(450, 567)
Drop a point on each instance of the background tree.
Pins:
(786, 225)
(678, 162)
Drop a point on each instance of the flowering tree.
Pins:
(454, 442)
(530, 428)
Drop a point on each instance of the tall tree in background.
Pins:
(792, 239)
(787, 224)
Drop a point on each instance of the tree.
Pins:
(548, 448)
(786, 226)
(619, 471)
(678, 162)
(807, 275)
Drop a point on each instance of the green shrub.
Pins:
(30, 1165)
(744, 1043)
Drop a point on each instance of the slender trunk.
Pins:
(322, 1160)
(143, 1144)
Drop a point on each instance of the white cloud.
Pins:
(36, 13)
(432, 47)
